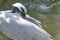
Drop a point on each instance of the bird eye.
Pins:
(22, 10)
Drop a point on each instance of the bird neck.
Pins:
(23, 15)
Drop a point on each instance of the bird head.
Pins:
(20, 8)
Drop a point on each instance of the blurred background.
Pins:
(46, 11)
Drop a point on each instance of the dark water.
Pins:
(48, 12)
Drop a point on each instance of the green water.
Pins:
(50, 20)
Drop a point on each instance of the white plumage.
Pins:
(21, 29)
(16, 27)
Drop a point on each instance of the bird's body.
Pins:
(14, 26)
(29, 18)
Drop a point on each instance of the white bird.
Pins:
(16, 27)
(19, 8)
